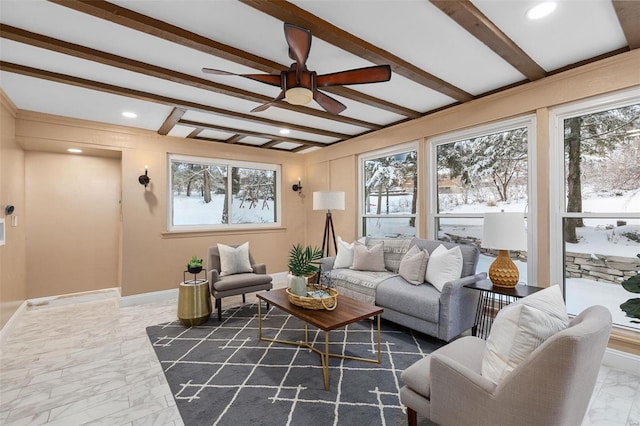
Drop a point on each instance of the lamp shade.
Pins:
(328, 200)
(504, 231)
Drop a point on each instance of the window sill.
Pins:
(209, 232)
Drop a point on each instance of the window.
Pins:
(596, 215)
(486, 169)
(216, 194)
(389, 192)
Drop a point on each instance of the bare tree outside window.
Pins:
(203, 195)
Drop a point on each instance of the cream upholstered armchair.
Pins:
(552, 386)
(236, 283)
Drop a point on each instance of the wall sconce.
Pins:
(297, 187)
(144, 179)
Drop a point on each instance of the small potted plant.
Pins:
(303, 262)
(632, 306)
(195, 265)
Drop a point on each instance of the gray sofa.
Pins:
(444, 315)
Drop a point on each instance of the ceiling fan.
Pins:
(299, 85)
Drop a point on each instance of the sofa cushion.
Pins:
(394, 250)
(414, 265)
(444, 265)
(470, 253)
(234, 260)
(234, 281)
(344, 257)
(360, 285)
(368, 258)
(421, 301)
(520, 328)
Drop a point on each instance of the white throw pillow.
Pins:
(520, 328)
(344, 257)
(368, 258)
(444, 266)
(234, 260)
(413, 265)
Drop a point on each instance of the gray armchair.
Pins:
(552, 386)
(232, 285)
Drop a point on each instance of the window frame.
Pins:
(385, 152)
(557, 205)
(277, 168)
(530, 122)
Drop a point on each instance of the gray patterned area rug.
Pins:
(221, 374)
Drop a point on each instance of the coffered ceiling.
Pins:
(94, 59)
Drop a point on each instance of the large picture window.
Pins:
(389, 192)
(209, 193)
(486, 169)
(596, 215)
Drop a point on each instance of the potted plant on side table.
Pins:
(195, 265)
(302, 263)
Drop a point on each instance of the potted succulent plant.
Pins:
(632, 306)
(195, 265)
(303, 262)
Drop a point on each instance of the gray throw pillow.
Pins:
(413, 265)
(368, 259)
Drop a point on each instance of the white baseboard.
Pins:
(12, 321)
(67, 299)
(151, 297)
(621, 360)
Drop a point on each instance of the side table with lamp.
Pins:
(503, 232)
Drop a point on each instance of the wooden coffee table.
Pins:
(347, 312)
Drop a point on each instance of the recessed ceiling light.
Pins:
(129, 114)
(541, 10)
(74, 150)
(285, 131)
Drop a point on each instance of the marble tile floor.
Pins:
(92, 363)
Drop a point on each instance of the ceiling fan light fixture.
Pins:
(298, 96)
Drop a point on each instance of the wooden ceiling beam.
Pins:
(628, 12)
(244, 133)
(469, 17)
(60, 46)
(271, 143)
(165, 100)
(171, 121)
(157, 28)
(288, 12)
(234, 138)
(195, 132)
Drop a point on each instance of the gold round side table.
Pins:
(194, 302)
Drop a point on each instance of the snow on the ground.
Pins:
(194, 211)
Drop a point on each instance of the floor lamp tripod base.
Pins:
(326, 239)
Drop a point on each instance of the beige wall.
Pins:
(73, 238)
(153, 259)
(13, 283)
(537, 98)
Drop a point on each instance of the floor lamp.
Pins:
(328, 200)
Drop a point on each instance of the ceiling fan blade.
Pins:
(272, 79)
(375, 74)
(299, 41)
(268, 104)
(328, 103)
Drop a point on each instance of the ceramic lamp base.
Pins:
(503, 272)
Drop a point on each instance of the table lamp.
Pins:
(503, 232)
(328, 200)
